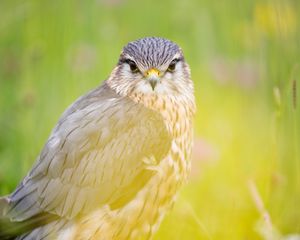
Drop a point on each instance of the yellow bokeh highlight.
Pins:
(275, 19)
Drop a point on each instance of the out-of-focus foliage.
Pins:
(245, 61)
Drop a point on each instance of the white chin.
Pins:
(146, 88)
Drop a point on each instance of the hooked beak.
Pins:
(152, 76)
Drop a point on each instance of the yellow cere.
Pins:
(152, 71)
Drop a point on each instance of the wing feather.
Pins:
(94, 156)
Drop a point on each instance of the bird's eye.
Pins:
(132, 65)
(172, 65)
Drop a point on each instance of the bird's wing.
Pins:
(98, 154)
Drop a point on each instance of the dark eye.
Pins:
(132, 65)
(172, 65)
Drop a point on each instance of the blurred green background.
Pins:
(245, 61)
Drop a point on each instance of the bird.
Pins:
(117, 157)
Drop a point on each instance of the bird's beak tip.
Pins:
(153, 84)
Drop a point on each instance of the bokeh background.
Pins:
(245, 61)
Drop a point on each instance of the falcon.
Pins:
(114, 162)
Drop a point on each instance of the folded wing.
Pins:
(96, 155)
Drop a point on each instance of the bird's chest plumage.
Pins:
(177, 114)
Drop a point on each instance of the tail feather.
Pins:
(3, 206)
(7, 228)
(12, 229)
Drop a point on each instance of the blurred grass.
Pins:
(245, 64)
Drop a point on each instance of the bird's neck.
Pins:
(177, 111)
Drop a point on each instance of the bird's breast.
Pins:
(177, 113)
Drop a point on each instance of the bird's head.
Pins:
(151, 66)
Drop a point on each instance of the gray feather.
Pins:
(98, 139)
